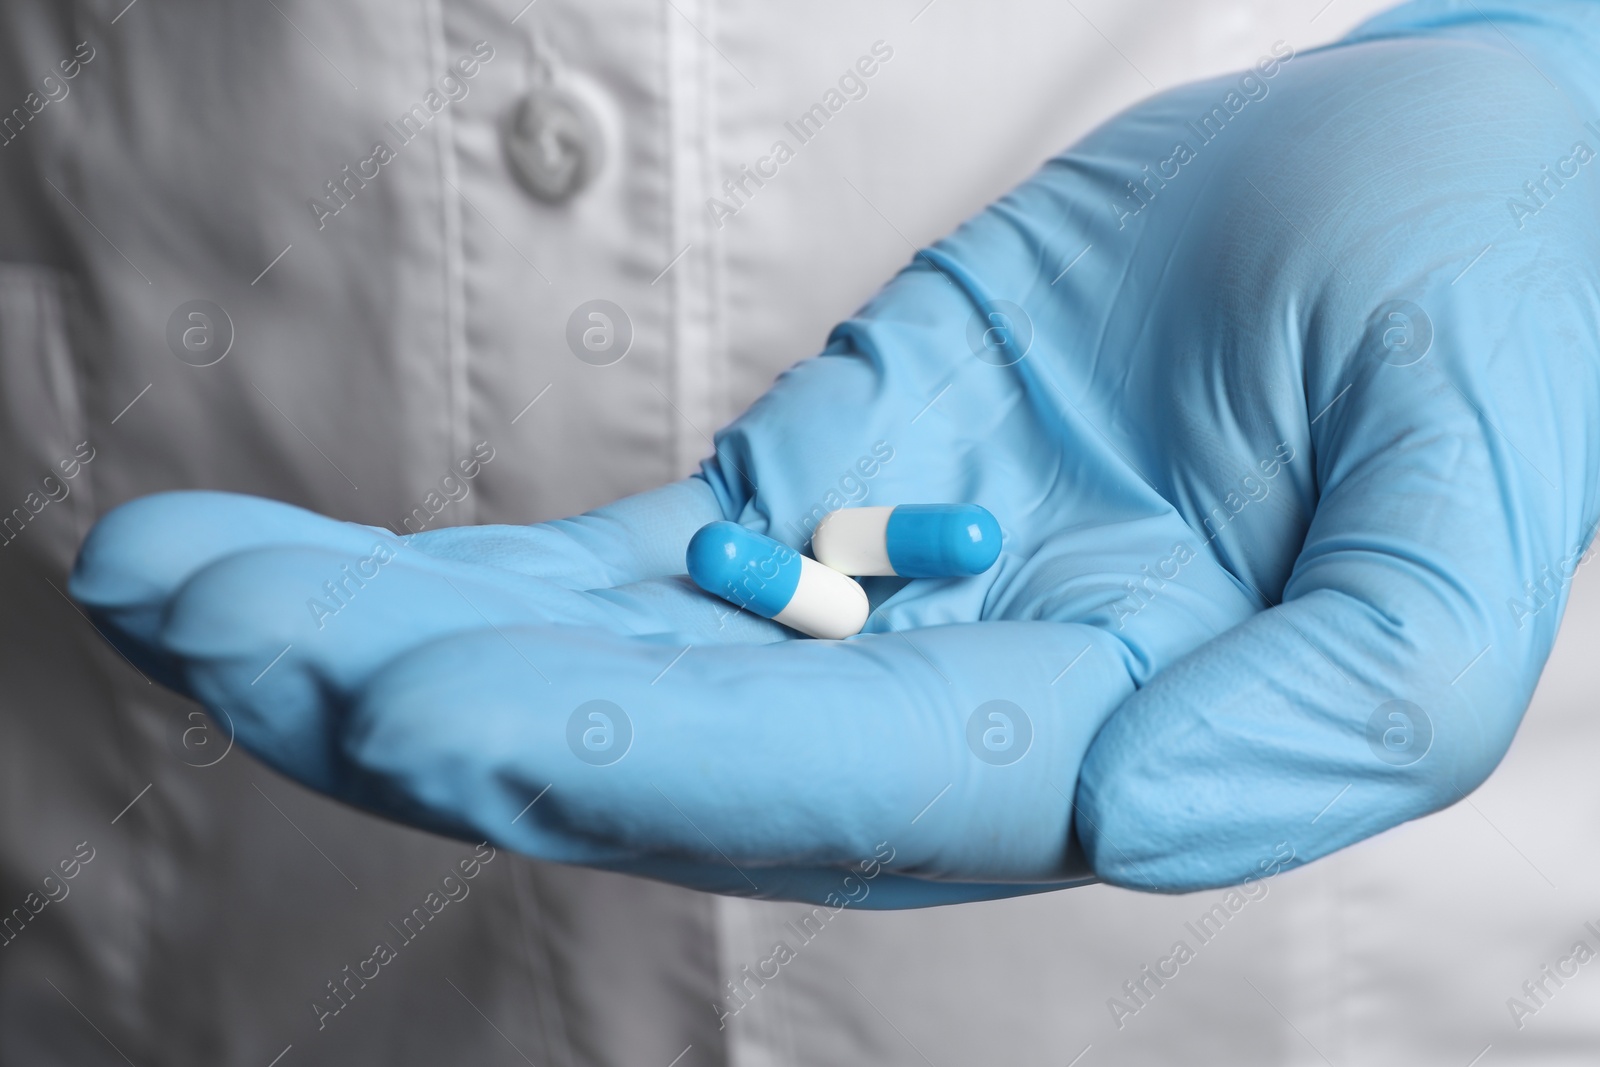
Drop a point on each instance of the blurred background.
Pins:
(350, 356)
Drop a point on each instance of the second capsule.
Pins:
(911, 540)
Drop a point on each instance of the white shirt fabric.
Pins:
(426, 321)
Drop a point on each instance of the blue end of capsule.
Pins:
(942, 540)
(743, 567)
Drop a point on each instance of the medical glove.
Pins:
(1283, 388)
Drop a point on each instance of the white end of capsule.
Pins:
(826, 604)
(854, 541)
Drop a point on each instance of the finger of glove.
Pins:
(290, 633)
(1457, 498)
(958, 746)
(632, 540)
(139, 554)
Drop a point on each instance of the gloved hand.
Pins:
(1286, 416)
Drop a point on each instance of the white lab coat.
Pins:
(374, 348)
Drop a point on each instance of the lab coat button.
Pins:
(554, 144)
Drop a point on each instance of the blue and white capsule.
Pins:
(772, 580)
(911, 541)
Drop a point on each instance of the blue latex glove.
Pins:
(1276, 441)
